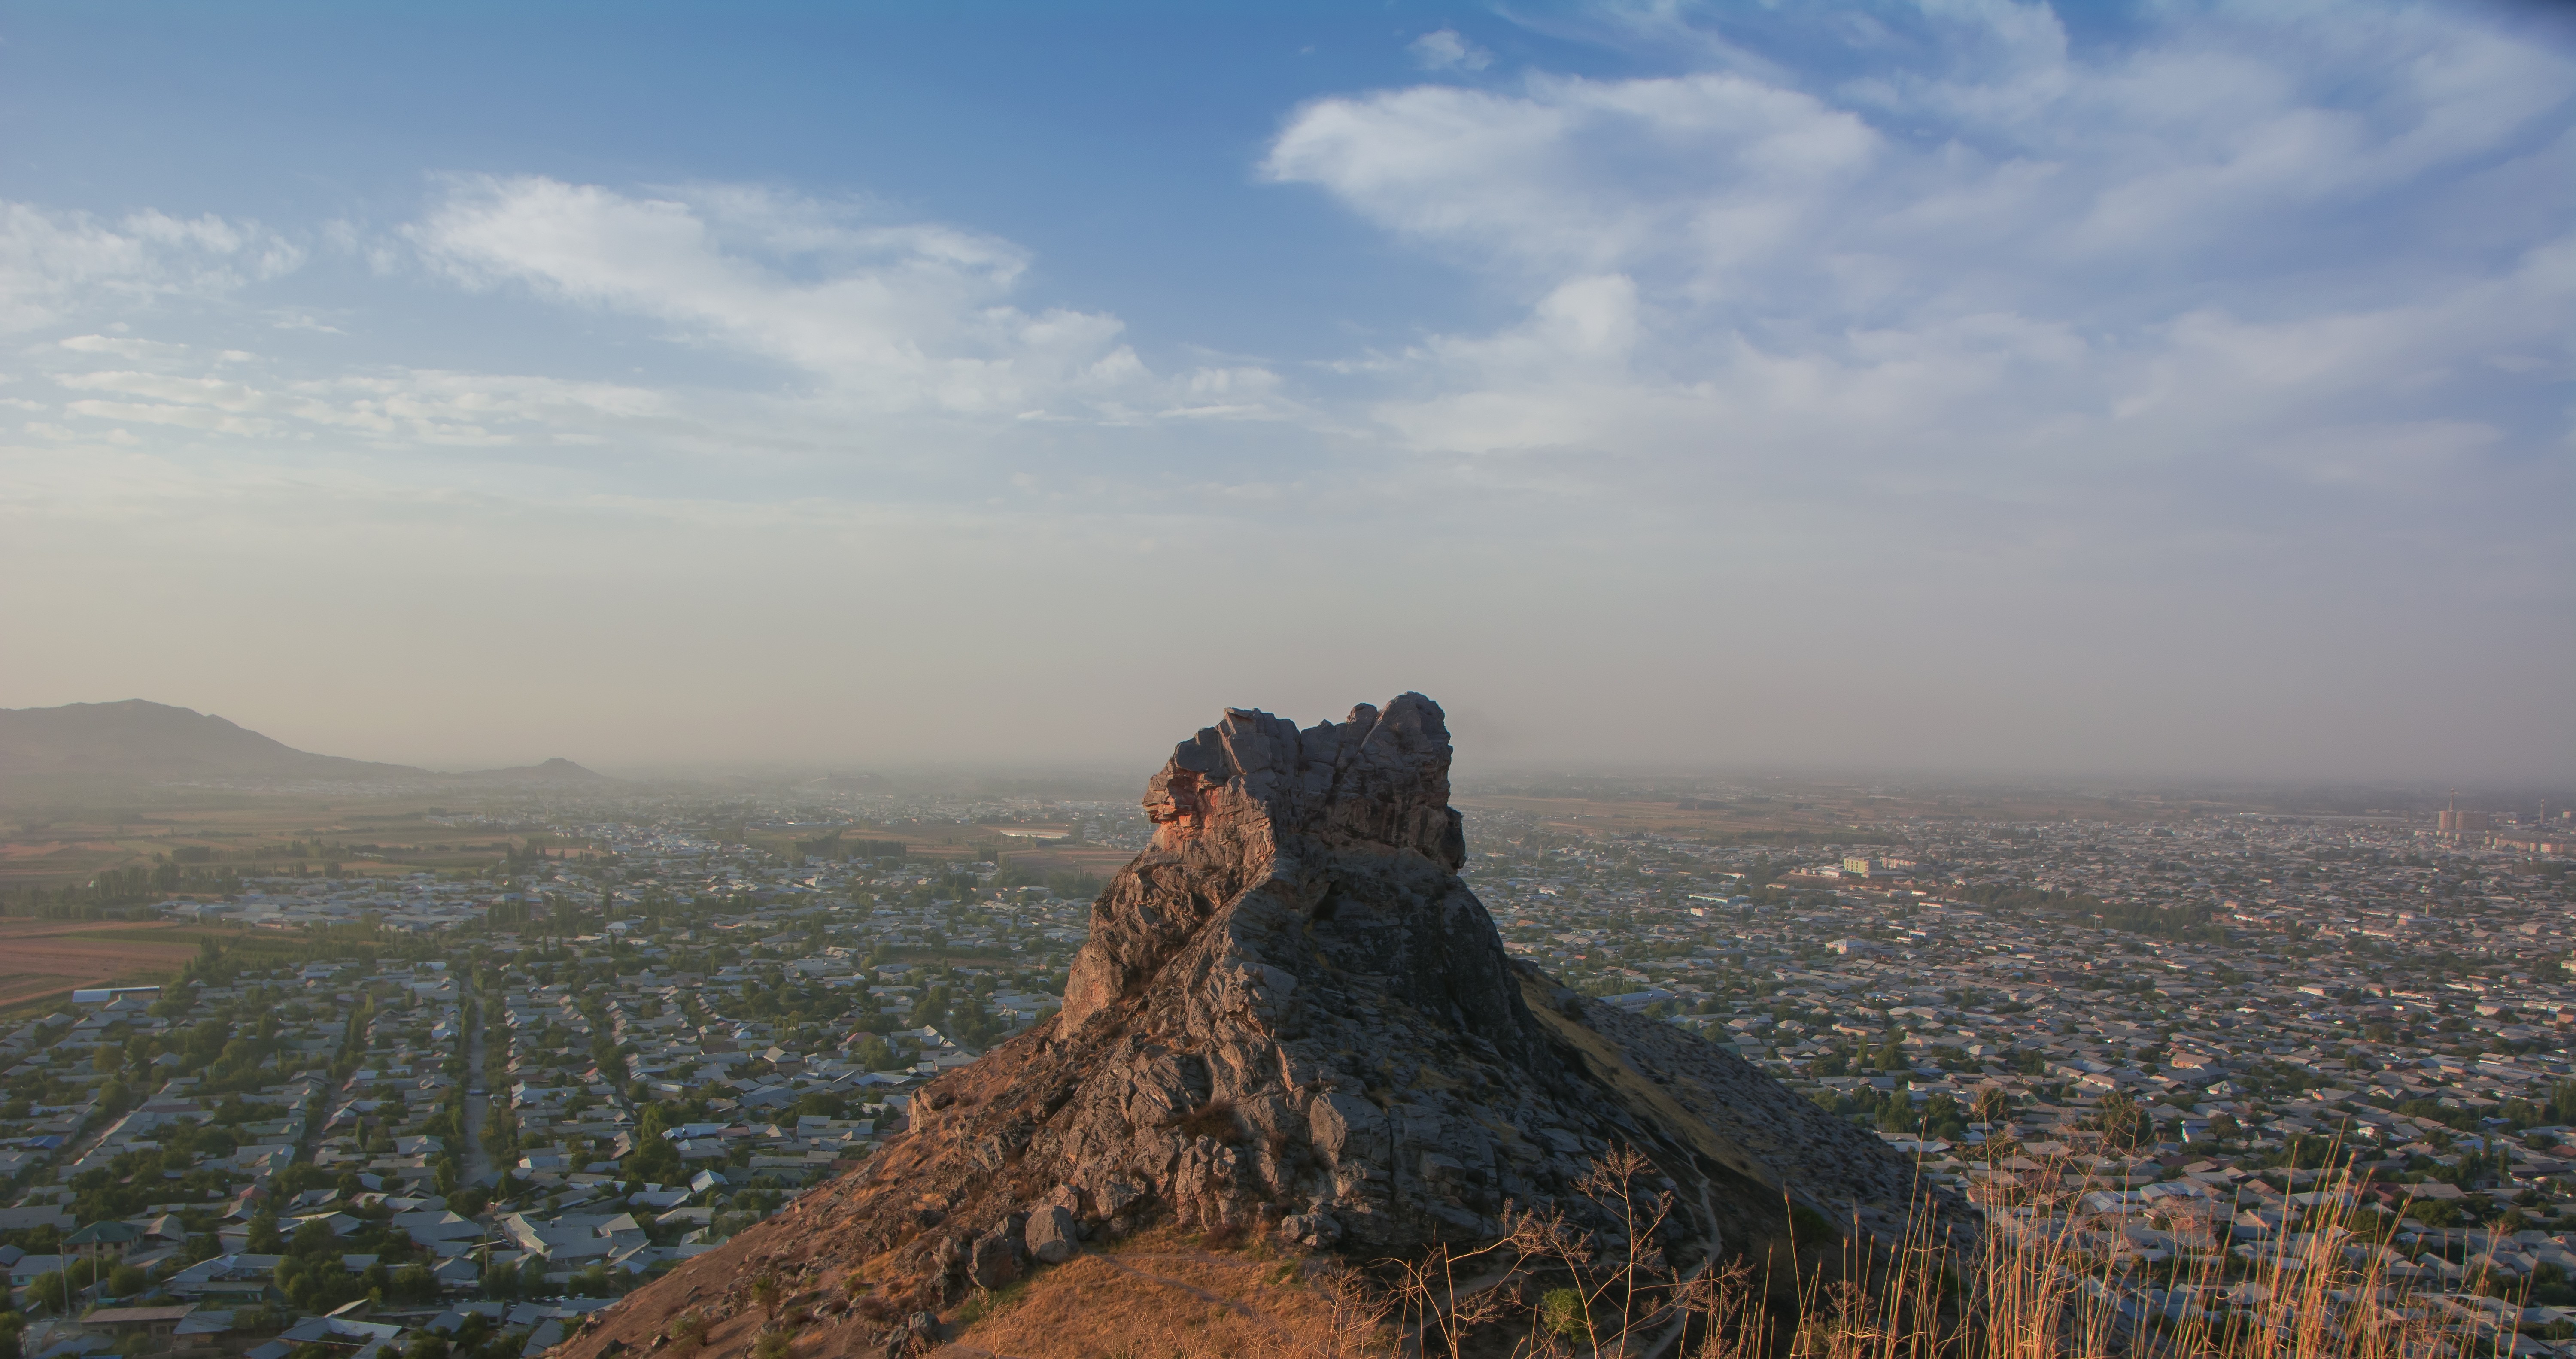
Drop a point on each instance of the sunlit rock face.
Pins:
(1293, 1016)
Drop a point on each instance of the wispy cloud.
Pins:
(893, 316)
(1987, 259)
(1444, 50)
(53, 264)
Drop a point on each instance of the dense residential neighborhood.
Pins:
(391, 1111)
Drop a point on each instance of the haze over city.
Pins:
(1620, 679)
(2167, 390)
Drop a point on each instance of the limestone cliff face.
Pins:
(1293, 1015)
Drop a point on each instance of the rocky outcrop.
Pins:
(1293, 1016)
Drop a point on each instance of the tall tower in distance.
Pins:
(2455, 824)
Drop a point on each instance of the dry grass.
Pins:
(2033, 1287)
(2037, 1285)
(2037, 1289)
(1214, 1119)
(1162, 1296)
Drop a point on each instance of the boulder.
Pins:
(1050, 1236)
(1315, 1231)
(994, 1261)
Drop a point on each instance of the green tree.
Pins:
(2562, 1102)
(655, 1160)
(414, 1284)
(311, 1240)
(1941, 1117)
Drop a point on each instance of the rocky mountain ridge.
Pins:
(1293, 1017)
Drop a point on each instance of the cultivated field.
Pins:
(41, 958)
(54, 846)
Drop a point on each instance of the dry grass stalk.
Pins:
(2040, 1285)
(2035, 1285)
(1214, 1120)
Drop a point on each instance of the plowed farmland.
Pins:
(41, 957)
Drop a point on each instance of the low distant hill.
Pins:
(556, 770)
(139, 741)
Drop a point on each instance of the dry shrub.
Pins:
(874, 1309)
(1225, 1236)
(1214, 1119)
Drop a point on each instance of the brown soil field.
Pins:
(39, 958)
(1099, 863)
(392, 836)
(45, 862)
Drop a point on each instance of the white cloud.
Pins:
(1445, 50)
(1991, 256)
(122, 346)
(1582, 175)
(900, 317)
(55, 265)
(2197, 152)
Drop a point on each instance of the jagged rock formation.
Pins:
(1293, 1016)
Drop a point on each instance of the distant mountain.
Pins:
(156, 743)
(140, 740)
(556, 770)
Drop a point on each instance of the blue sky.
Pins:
(2167, 389)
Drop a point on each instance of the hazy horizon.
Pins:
(1480, 771)
(2156, 391)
